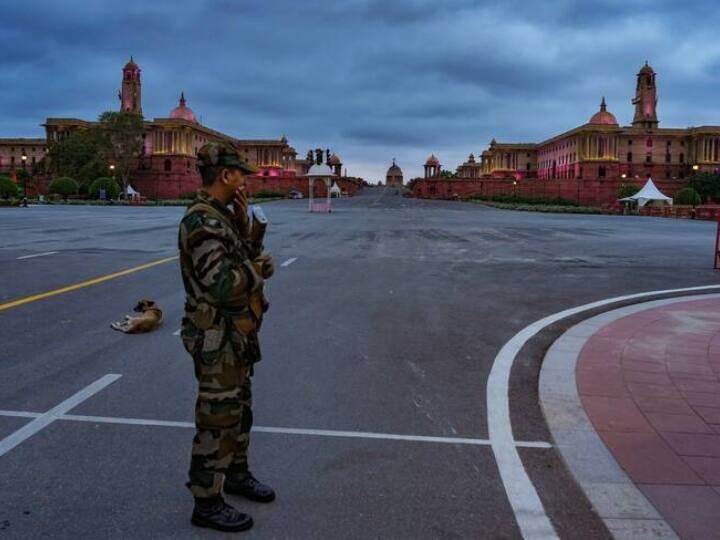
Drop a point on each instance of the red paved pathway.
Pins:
(650, 384)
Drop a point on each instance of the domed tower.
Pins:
(432, 167)
(394, 176)
(603, 116)
(645, 99)
(130, 93)
(335, 163)
(183, 112)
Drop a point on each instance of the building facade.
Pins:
(167, 166)
(13, 150)
(600, 152)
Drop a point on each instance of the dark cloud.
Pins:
(372, 79)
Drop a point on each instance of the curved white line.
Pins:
(524, 500)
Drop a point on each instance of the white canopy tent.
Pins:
(335, 190)
(648, 193)
(131, 192)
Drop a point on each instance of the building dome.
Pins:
(432, 161)
(394, 170)
(183, 112)
(603, 116)
(334, 160)
(394, 176)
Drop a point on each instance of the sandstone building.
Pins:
(596, 154)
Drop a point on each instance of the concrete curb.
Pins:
(619, 503)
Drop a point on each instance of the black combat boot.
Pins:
(215, 513)
(247, 486)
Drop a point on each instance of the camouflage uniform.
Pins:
(219, 331)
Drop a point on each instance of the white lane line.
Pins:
(522, 495)
(177, 332)
(279, 430)
(45, 419)
(36, 255)
(289, 261)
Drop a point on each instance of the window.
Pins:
(629, 141)
(629, 157)
(601, 172)
(648, 158)
(168, 165)
(669, 143)
(649, 142)
(12, 160)
(33, 160)
(682, 158)
(667, 158)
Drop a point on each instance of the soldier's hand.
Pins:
(265, 265)
(240, 207)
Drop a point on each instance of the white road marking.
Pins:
(279, 430)
(177, 332)
(522, 495)
(36, 255)
(45, 419)
(289, 262)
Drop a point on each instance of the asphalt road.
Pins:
(387, 322)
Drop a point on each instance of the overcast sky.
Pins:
(371, 79)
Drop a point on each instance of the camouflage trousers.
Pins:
(223, 419)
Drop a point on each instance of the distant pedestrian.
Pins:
(223, 271)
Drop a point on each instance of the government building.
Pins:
(586, 162)
(167, 166)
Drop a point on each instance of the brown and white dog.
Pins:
(151, 318)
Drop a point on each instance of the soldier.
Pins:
(223, 271)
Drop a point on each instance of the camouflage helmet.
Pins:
(223, 154)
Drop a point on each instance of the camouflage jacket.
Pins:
(219, 279)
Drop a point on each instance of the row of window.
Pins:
(33, 160)
(22, 150)
(648, 158)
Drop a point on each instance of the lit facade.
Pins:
(602, 148)
(167, 166)
(12, 151)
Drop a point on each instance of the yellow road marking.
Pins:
(82, 284)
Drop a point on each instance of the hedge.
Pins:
(64, 186)
(111, 187)
(688, 196)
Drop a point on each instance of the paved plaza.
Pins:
(401, 393)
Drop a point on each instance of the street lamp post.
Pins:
(692, 183)
(23, 158)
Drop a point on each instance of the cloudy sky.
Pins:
(371, 79)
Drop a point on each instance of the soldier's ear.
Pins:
(226, 176)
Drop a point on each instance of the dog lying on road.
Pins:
(151, 317)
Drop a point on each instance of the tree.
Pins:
(123, 132)
(8, 188)
(82, 155)
(447, 174)
(64, 186)
(627, 190)
(688, 196)
(110, 186)
(707, 185)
